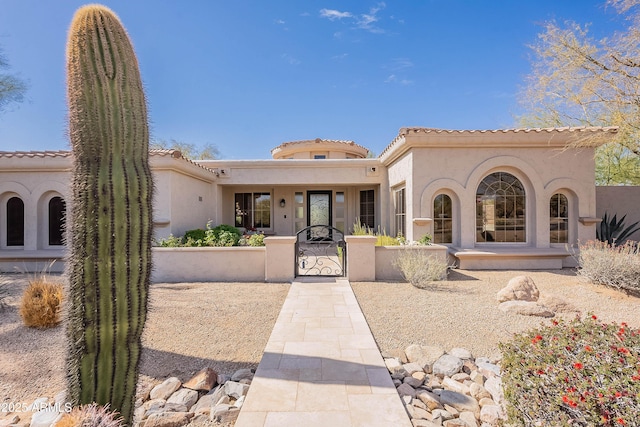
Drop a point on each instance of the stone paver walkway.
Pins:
(321, 366)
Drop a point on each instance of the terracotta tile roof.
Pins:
(318, 140)
(176, 154)
(34, 154)
(568, 129)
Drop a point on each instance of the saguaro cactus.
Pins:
(111, 212)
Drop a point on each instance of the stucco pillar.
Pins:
(361, 258)
(280, 258)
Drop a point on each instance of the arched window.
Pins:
(500, 209)
(442, 219)
(57, 208)
(559, 219)
(15, 222)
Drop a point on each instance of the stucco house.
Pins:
(514, 198)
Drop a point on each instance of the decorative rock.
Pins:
(222, 378)
(556, 304)
(224, 414)
(242, 374)
(491, 414)
(431, 400)
(477, 377)
(456, 422)
(44, 418)
(423, 423)
(413, 382)
(488, 369)
(412, 367)
(419, 375)
(203, 380)
(185, 397)
(447, 365)
(494, 386)
(520, 288)
(165, 389)
(453, 385)
(478, 392)
(459, 401)
(424, 356)
(442, 414)
(469, 418)
(461, 377)
(235, 390)
(406, 390)
(204, 404)
(461, 353)
(396, 353)
(238, 404)
(486, 401)
(168, 419)
(526, 308)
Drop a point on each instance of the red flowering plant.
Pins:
(578, 373)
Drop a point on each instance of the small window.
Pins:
(367, 209)
(443, 219)
(400, 212)
(253, 210)
(15, 222)
(559, 219)
(57, 209)
(319, 156)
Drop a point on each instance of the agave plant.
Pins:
(613, 231)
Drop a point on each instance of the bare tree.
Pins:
(579, 81)
(12, 88)
(188, 150)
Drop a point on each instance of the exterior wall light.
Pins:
(283, 203)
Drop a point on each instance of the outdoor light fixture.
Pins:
(282, 203)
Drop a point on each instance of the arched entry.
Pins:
(320, 251)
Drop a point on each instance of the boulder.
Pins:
(242, 374)
(203, 380)
(168, 419)
(526, 308)
(447, 365)
(460, 402)
(165, 389)
(520, 288)
(235, 389)
(184, 396)
(557, 304)
(423, 355)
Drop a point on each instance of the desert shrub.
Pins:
(197, 234)
(614, 266)
(41, 303)
(222, 235)
(577, 373)
(4, 292)
(90, 415)
(420, 267)
(360, 229)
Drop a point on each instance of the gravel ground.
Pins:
(190, 326)
(463, 311)
(226, 325)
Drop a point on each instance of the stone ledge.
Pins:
(509, 258)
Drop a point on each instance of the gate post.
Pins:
(280, 254)
(361, 258)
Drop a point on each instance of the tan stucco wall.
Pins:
(623, 200)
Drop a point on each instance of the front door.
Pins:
(318, 211)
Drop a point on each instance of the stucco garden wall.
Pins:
(621, 200)
(385, 257)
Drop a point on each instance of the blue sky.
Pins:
(247, 75)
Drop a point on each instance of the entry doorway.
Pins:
(319, 208)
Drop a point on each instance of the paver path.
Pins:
(321, 366)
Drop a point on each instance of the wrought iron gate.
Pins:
(320, 251)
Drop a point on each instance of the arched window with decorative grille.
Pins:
(442, 219)
(500, 209)
(559, 219)
(57, 209)
(15, 222)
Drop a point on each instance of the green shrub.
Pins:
(256, 239)
(578, 373)
(197, 234)
(170, 242)
(614, 266)
(425, 240)
(420, 267)
(222, 235)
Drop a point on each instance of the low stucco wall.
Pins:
(385, 256)
(621, 200)
(227, 264)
